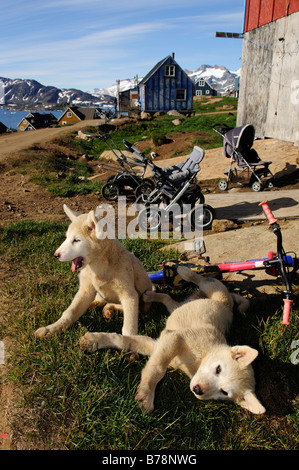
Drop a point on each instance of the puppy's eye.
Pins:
(224, 392)
(75, 240)
(218, 370)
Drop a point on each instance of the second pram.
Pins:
(245, 166)
(128, 171)
(174, 185)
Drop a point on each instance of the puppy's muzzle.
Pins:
(197, 390)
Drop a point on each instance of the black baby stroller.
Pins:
(127, 176)
(174, 185)
(245, 167)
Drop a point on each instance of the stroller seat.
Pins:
(185, 170)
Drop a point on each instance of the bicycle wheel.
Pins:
(110, 191)
(202, 219)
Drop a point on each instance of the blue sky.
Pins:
(89, 44)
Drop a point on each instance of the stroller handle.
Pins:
(134, 149)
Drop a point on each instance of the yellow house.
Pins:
(73, 114)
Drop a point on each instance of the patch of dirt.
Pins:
(176, 144)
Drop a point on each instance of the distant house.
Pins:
(37, 120)
(3, 128)
(202, 87)
(75, 114)
(128, 101)
(166, 87)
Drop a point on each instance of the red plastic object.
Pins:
(286, 311)
(268, 212)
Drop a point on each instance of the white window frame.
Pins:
(169, 70)
(201, 82)
(180, 90)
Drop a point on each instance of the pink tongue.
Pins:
(76, 263)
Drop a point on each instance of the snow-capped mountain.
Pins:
(219, 77)
(30, 93)
(113, 90)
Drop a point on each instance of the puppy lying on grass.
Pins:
(194, 342)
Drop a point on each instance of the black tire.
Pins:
(205, 219)
(110, 191)
(144, 188)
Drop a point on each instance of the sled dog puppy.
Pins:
(194, 342)
(109, 274)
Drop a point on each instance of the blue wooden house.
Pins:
(202, 87)
(166, 87)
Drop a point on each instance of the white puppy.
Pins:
(193, 341)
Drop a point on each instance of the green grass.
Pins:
(72, 400)
(208, 105)
(156, 129)
(64, 177)
(60, 176)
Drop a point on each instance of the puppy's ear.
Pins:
(72, 215)
(251, 403)
(91, 221)
(101, 227)
(244, 355)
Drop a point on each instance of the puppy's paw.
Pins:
(145, 399)
(108, 311)
(88, 342)
(42, 332)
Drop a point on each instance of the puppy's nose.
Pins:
(57, 254)
(197, 390)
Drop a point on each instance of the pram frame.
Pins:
(152, 202)
(257, 184)
(125, 171)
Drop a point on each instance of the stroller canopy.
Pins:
(239, 139)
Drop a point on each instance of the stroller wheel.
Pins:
(144, 188)
(202, 219)
(257, 186)
(150, 219)
(110, 191)
(222, 184)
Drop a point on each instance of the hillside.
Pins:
(30, 93)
